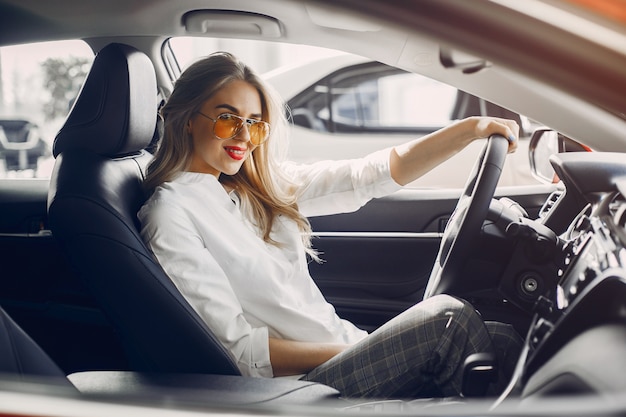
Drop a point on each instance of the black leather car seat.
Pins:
(95, 192)
(23, 362)
(21, 357)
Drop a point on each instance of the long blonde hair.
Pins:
(262, 187)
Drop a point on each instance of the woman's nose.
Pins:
(244, 133)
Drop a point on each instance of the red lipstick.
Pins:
(235, 152)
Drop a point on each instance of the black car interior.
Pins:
(24, 362)
(95, 193)
(22, 356)
(96, 190)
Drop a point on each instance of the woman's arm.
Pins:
(413, 159)
(294, 358)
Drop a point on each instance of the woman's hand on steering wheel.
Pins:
(487, 126)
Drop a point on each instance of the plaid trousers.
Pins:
(420, 353)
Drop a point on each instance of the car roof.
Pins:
(538, 58)
(288, 80)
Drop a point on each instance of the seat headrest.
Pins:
(116, 110)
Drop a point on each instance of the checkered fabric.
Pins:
(419, 353)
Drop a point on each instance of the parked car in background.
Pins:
(346, 106)
(21, 145)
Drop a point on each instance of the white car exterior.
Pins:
(407, 107)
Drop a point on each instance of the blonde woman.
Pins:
(228, 222)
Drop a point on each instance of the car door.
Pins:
(377, 261)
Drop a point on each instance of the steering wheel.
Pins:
(466, 221)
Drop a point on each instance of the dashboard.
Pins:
(594, 246)
(576, 343)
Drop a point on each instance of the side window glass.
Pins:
(388, 102)
(313, 112)
(375, 98)
(38, 85)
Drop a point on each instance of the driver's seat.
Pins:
(95, 192)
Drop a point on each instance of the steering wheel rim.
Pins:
(467, 219)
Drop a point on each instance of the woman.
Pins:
(226, 220)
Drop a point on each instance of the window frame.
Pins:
(374, 70)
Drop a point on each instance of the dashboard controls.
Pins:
(541, 242)
(541, 329)
(544, 306)
(550, 202)
(591, 248)
(530, 284)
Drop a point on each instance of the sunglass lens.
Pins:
(227, 126)
(259, 132)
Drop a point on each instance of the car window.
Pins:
(342, 106)
(374, 98)
(38, 85)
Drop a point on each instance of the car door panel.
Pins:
(40, 291)
(371, 278)
(377, 260)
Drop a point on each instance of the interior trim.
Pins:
(403, 235)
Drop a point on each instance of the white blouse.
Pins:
(245, 289)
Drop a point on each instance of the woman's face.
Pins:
(215, 156)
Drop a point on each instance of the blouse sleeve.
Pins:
(331, 187)
(172, 237)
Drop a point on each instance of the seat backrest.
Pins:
(95, 192)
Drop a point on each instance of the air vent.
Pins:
(550, 202)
